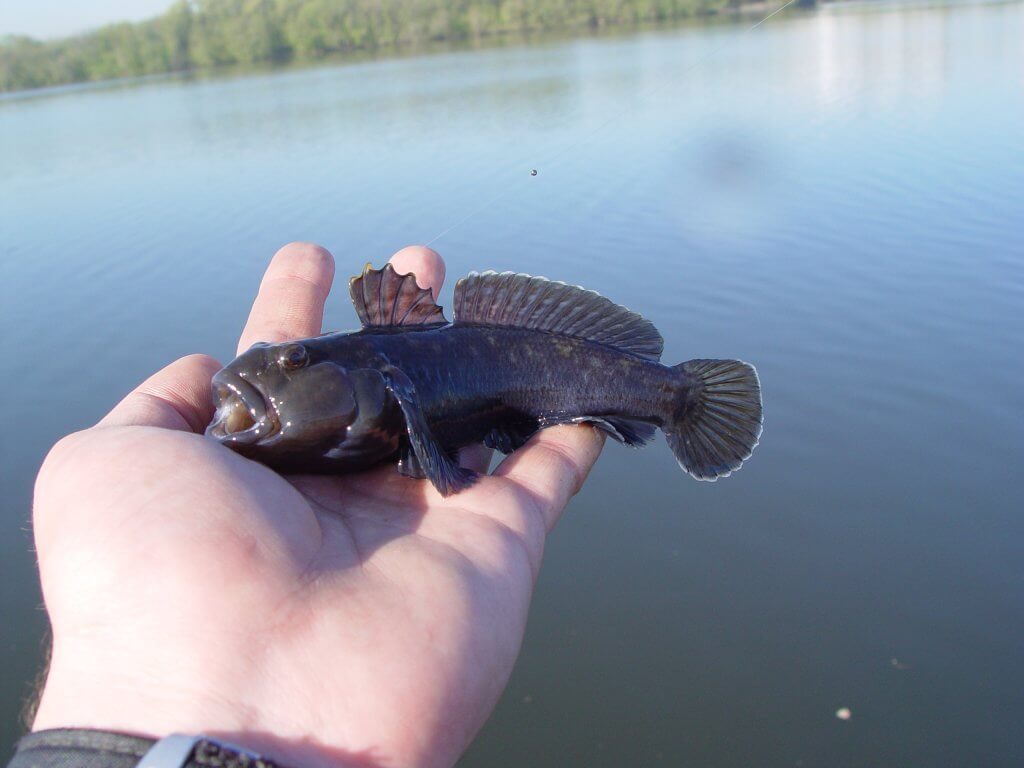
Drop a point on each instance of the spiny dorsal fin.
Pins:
(511, 300)
(385, 299)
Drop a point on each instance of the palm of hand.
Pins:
(362, 620)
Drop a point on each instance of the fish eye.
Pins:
(293, 357)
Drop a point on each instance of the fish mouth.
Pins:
(243, 415)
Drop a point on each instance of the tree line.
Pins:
(194, 34)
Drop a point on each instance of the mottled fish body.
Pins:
(522, 354)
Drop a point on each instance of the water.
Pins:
(836, 197)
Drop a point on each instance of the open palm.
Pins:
(361, 620)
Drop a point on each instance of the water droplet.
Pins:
(533, 172)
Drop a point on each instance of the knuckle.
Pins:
(514, 519)
(200, 361)
(522, 511)
(566, 465)
(515, 538)
(57, 471)
(533, 498)
(518, 549)
(60, 452)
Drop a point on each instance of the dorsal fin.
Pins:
(510, 300)
(385, 299)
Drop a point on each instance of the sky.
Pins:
(57, 18)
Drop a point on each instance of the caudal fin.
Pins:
(717, 420)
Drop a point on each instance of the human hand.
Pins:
(360, 620)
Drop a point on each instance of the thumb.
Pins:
(177, 397)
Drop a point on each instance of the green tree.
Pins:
(205, 33)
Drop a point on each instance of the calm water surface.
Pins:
(837, 197)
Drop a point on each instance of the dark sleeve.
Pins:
(74, 748)
(82, 748)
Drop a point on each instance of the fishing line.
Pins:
(561, 154)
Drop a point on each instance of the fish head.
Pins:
(276, 401)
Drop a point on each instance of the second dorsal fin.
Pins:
(385, 299)
(511, 300)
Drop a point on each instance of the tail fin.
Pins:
(717, 419)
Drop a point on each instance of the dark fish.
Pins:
(523, 353)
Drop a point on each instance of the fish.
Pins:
(521, 354)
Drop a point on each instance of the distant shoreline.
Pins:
(199, 42)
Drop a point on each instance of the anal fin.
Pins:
(510, 437)
(631, 432)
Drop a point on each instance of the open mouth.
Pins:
(243, 416)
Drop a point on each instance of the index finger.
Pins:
(290, 303)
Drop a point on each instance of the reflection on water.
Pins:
(835, 197)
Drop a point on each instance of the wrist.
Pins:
(101, 683)
(152, 708)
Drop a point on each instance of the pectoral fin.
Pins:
(429, 459)
(409, 465)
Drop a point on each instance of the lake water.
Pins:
(837, 197)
